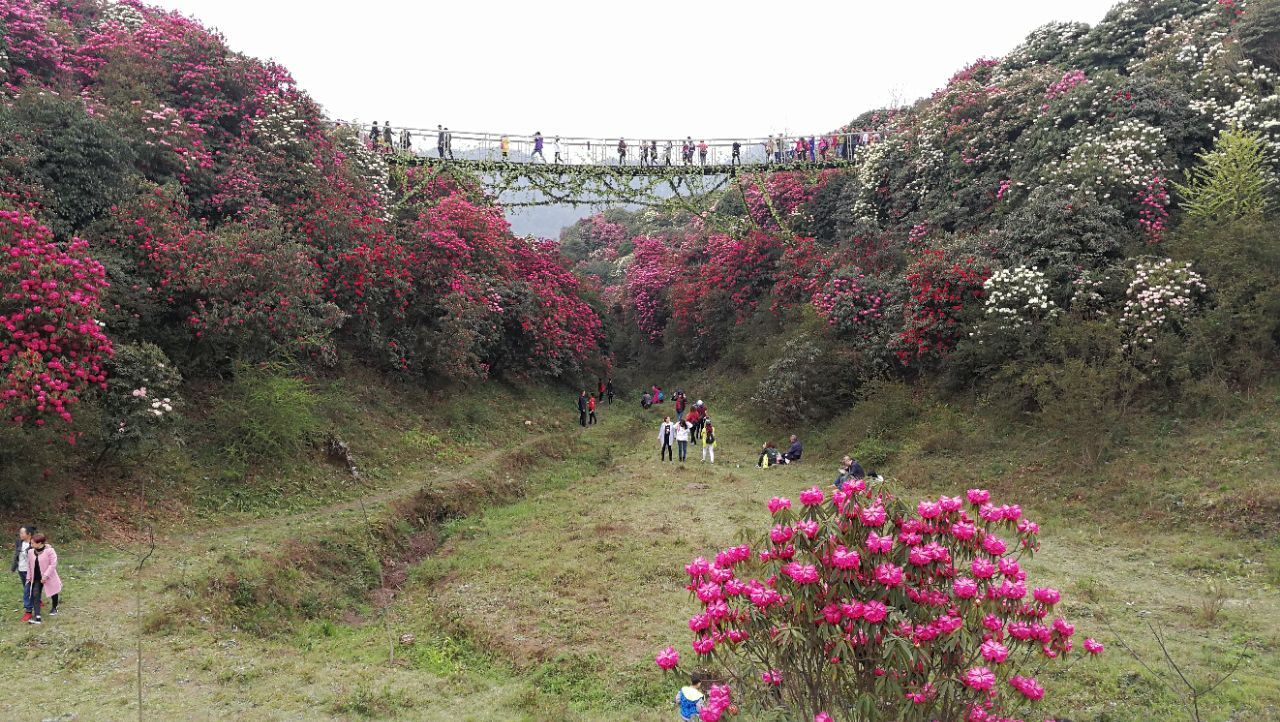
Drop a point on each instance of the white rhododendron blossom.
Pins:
(126, 15)
(1162, 294)
(1018, 298)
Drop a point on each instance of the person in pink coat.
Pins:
(42, 574)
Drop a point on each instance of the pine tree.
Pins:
(1233, 181)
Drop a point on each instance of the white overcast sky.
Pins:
(604, 68)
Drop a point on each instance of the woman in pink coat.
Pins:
(42, 572)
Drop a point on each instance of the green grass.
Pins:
(556, 568)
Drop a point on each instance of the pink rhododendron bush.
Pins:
(858, 605)
(52, 348)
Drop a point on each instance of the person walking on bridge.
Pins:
(666, 152)
(653, 152)
(448, 143)
(537, 148)
(375, 135)
(406, 140)
(622, 151)
(387, 137)
(644, 154)
(737, 154)
(702, 152)
(555, 147)
(504, 143)
(768, 150)
(440, 141)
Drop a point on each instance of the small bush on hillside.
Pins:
(860, 603)
(141, 396)
(809, 381)
(264, 415)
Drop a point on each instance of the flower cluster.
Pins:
(835, 586)
(1153, 209)
(1017, 298)
(1162, 294)
(850, 301)
(1066, 84)
(649, 275)
(940, 290)
(1119, 160)
(52, 347)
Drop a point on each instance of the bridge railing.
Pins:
(573, 150)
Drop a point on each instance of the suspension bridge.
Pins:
(561, 170)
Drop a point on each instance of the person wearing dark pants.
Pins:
(591, 410)
(20, 566)
(682, 439)
(608, 389)
(582, 408)
(666, 435)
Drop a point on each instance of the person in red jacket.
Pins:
(591, 409)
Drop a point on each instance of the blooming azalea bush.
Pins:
(940, 291)
(857, 603)
(1017, 298)
(52, 346)
(1162, 296)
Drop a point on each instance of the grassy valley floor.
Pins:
(547, 592)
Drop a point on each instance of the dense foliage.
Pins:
(1076, 194)
(168, 197)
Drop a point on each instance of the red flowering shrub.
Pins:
(857, 601)
(652, 271)
(52, 348)
(852, 303)
(801, 271)
(939, 292)
(781, 196)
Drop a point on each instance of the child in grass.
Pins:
(690, 698)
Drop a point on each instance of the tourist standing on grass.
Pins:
(608, 388)
(690, 699)
(537, 147)
(20, 566)
(666, 437)
(582, 408)
(682, 439)
(42, 570)
(709, 441)
(680, 405)
(591, 410)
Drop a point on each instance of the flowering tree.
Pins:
(1161, 297)
(857, 605)
(52, 347)
(940, 290)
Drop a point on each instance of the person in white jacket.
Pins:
(555, 148)
(666, 437)
(682, 438)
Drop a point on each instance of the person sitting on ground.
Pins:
(646, 401)
(768, 455)
(850, 470)
(793, 452)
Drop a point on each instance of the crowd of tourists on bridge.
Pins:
(776, 149)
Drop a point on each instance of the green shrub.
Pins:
(264, 415)
(141, 395)
(1233, 181)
